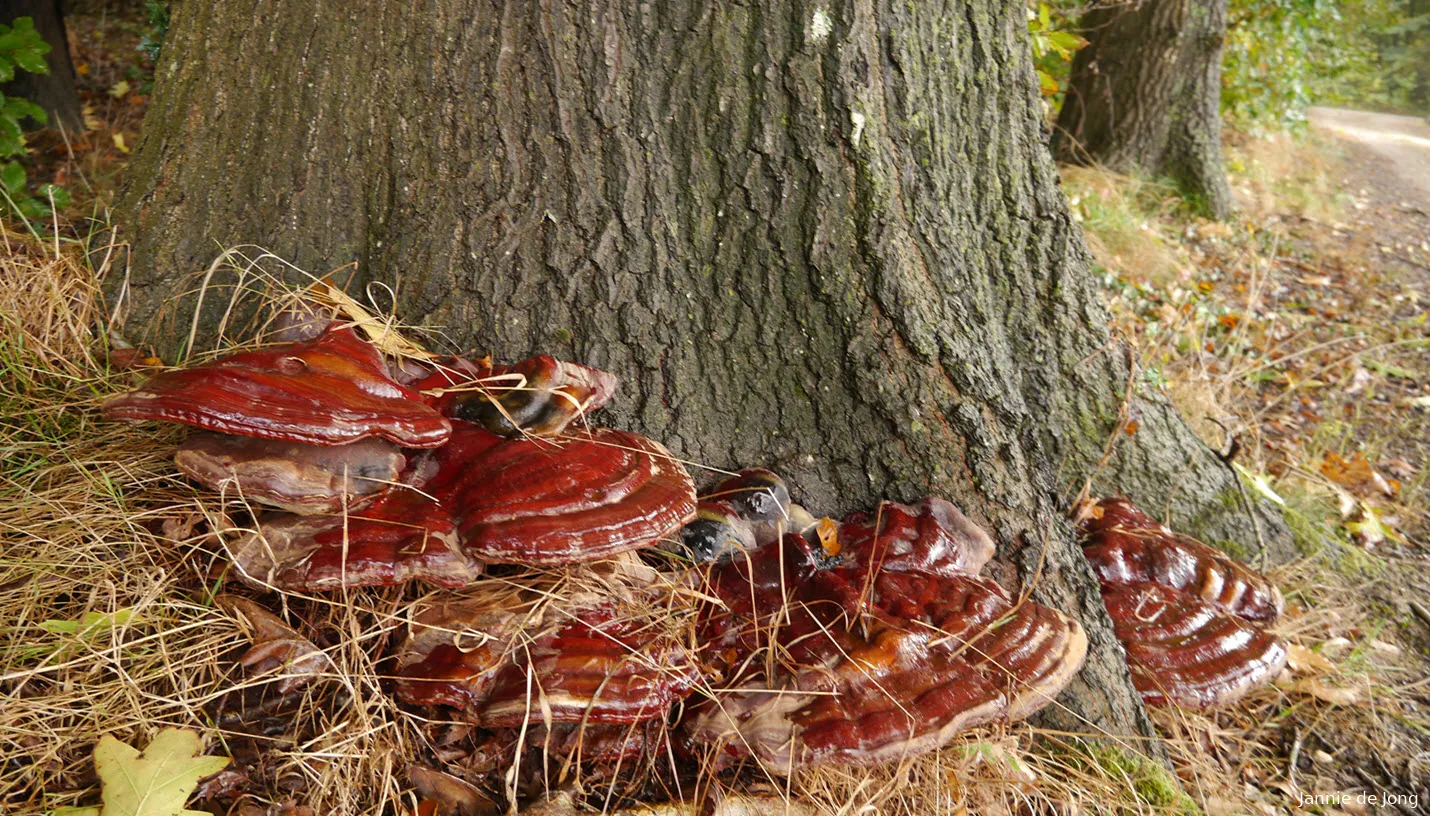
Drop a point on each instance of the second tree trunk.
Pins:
(1145, 95)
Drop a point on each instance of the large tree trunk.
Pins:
(1145, 95)
(823, 239)
(55, 91)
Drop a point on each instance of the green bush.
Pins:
(22, 47)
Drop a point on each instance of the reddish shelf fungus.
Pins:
(1185, 650)
(328, 391)
(291, 475)
(401, 536)
(583, 497)
(1124, 546)
(1188, 616)
(883, 652)
(503, 665)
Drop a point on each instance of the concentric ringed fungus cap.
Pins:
(582, 497)
(1186, 565)
(401, 536)
(1185, 650)
(504, 665)
(328, 391)
(1189, 617)
(882, 653)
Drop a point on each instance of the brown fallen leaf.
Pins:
(1355, 474)
(450, 796)
(1335, 695)
(276, 645)
(1308, 661)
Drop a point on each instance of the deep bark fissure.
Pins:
(824, 239)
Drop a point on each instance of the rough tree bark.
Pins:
(55, 91)
(1145, 95)
(825, 239)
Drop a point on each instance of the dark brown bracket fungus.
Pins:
(328, 391)
(1188, 616)
(880, 653)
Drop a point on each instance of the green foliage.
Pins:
(22, 48)
(1053, 45)
(153, 38)
(1283, 56)
(1405, 56)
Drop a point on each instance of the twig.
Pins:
(1420, 612)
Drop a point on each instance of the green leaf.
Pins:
(17, 109)
(1047, 82)
(157, 782)
(61, 197)
(33, 59)
(93, 622)
(31, 208)
(1066, 41)
(22, 45)
(12, 176)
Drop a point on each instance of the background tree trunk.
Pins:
(1145, 95)
(55, 91)
(823, 239)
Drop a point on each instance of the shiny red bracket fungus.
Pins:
(583, 497)
(883, 652)
(933, 536)
(1124, 546)
(503, 666)
(291, 475)
(1185, 650)
(1188, 616)
(328, 391)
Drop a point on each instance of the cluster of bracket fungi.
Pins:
(858, 641)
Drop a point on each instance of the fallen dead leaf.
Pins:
(154, 782)
(1335, 695)
(1308, 661)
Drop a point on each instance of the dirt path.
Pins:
(1400, 143)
